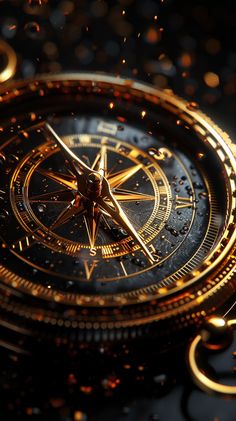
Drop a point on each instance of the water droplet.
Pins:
(160, 154)
(9, 28)
(41, 208)
(138, 262)
(13, 159)
(172, 230)
(203, 195)
(32, 29)
(4, 214)
(197, 185)
(2, 159)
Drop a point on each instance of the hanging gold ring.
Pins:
(200, 378)
(11, 60)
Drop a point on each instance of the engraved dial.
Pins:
(62, 226)
(111, 204)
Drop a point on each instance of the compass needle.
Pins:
(64, 179)
(75, 208)
(123, 195)
(92, 219)
(115, 180)
(76, 163)
(119, 216)
(59, 196)
(100, 163)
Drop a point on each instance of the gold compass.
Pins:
(117, 208)
(83, 205)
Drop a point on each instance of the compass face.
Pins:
(62, 234)
(108, 202)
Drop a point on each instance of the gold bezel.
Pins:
(11, 62)
(213, 275)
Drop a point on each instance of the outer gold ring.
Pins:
(10, 69)
(205, 383)
(111, 317)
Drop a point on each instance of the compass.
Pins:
(117, 209)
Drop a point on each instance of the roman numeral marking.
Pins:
(183, 202)
(126, 247)
(24, 243)
(123, 268)
(89, 268)
(154, 252)
(107, 128)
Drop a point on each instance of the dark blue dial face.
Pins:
(65, 242)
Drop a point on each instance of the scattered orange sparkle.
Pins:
(152, 35)
(86, 389)
(211, 79)
(143, 113)
(186, 60)
(33, 116)
(25, 134)
(121, 119)
(78, 416)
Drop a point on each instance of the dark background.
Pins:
(185, 45)
(171, 43)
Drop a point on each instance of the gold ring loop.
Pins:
(200, 378)
(10, 69)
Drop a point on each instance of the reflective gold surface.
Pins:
(11, 61)
(199, 374)
(190, 296)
